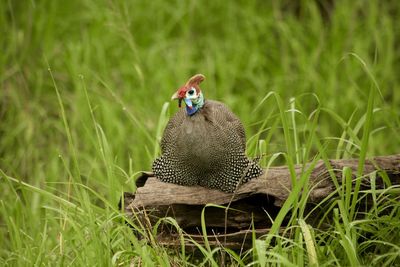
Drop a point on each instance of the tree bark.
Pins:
(254, 204)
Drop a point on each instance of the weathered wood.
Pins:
(252, 203)
(236, 240)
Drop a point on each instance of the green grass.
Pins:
(83, 101)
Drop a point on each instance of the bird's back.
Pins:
(207, 148)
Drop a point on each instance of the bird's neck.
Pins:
(197, 104)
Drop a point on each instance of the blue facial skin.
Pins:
(190, 108)
(193, 107)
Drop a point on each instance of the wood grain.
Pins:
(252, 204)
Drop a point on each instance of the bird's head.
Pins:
(191, 94)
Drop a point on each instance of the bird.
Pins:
(204, 144)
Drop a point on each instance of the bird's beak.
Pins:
(175, 96)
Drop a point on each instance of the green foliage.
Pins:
(83, 101)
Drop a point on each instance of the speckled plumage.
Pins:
(207, 149)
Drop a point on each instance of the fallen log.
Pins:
(251, 205)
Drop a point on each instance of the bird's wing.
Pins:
(224, 115)
(171, 130)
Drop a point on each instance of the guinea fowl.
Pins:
(204, 144)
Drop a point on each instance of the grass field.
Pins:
(85, 89)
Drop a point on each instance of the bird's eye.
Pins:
(191, 92)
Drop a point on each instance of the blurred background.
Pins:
(131, 56)
(86, 85)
